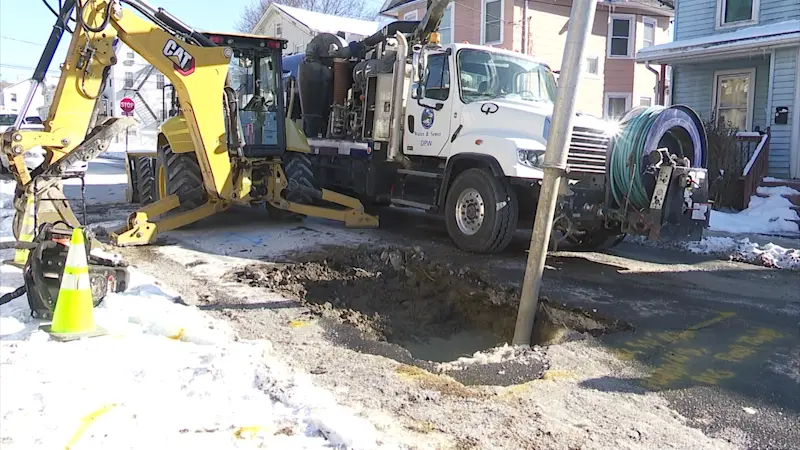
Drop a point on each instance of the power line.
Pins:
(21, 40)
(14, 66)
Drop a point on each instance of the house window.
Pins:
(649, 34)
(492, 21)
(411, 15)
(13, 97)
(620, 35)
(733, 97)
(446, 26)
(593, 65)
(437, 77)
(616, 105)
(645, 101)
(128, 79)
(737, 12)
(279, 29)
(131, 55)
(298, 48)
(159, 81)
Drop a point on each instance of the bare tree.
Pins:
(359, 9)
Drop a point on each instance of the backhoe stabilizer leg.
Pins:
(141, 230)
(353, 217)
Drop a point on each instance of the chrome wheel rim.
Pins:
(470, 211)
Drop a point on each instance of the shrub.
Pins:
(726, 161)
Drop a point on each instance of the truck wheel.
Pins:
(299, 172)
(181, 175)
(145, 187)
(481, 212)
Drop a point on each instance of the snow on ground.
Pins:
(769, 255)
(764, 215)
(165, 376)
(770, 215)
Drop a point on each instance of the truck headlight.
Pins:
(530, 158)
(546, 128)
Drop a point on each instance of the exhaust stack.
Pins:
(395, 152)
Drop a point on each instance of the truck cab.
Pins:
(469, 99)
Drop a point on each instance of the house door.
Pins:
(733, 98)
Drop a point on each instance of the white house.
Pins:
(12, 98)
(299, 26)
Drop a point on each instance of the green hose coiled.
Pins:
(627, 153)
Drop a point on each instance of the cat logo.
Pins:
(181, 59)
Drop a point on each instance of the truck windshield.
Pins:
(486, 75)
(7, 120)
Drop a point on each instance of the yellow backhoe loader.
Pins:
(228, 144)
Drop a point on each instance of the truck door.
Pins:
(428, 116)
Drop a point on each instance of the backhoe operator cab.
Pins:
(254, 100)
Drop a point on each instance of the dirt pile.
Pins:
(399, 295)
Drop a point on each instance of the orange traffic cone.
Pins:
(25, 233)
(73, 317)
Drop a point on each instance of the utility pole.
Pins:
(555, 162)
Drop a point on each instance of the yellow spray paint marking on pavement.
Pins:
(248, 432)
(674, 368)
(747, 345)
(674, 365)
(298, 323)
(85, 422)
(179, 335)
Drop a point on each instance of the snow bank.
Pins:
(166, 376)
(769, 255)
(495, 355)
(764, 215)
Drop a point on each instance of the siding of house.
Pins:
(294, 33)
(783, 94)
(468, 19)
(644, 81)
(694, 86)
(548, 33)
(696, 18)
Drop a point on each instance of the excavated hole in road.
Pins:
(434, 310)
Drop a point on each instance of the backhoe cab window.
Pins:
(254, 80)
(486, 75)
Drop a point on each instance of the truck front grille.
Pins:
(587, 150)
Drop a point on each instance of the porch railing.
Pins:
(755, 148)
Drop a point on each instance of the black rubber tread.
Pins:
(134, 181)
(183, 175)
(146, 183)
(298, 169)
(499, 226)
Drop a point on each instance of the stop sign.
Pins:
(127, 105)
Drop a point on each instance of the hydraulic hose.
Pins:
(643, 131)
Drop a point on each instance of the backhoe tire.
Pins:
(146, 185)
(183, 175)
(297, 168)
(481, 212)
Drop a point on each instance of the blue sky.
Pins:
(30, 21)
